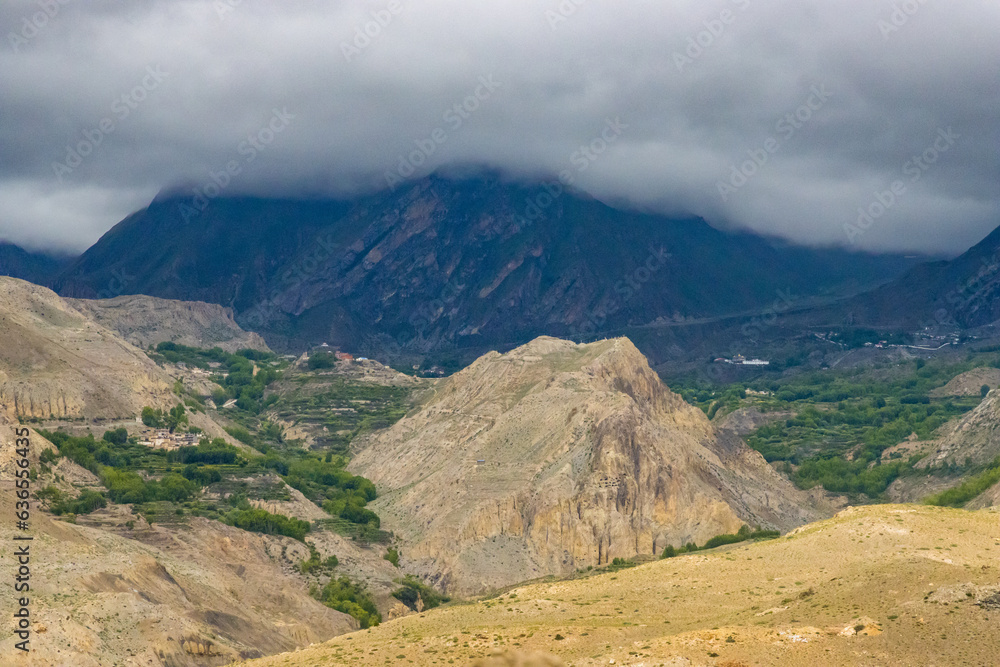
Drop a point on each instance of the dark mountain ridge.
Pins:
(35, 267)
(445, 263)
(963, 292)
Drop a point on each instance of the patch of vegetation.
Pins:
(322, 361)
(345, 596)
(392, 556)
(327, 484)
(216, 451)
(234, 371)
(417, 595)
(262, 521)
(958, 496)
(842, 422)
(314, 564)
(744, 534)
(172, 419)
(58, 503)
(127, 487)
(173, 477)
(620, 564)
(340, 408)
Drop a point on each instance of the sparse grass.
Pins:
(684, 608)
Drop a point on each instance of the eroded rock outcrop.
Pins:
(558, 456)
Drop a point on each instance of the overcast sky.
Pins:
(677, 102)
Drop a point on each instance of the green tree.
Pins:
(118, 436)
(350, 598)
(176, 417)
(152, 418)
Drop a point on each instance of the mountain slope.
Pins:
(37, 268)
(191, 593)
(974, 438)
(55, 362)
(442, 263)
(145, 320)
(557, 456)
(962, 292)
(878, 585)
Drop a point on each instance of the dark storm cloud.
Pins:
(801, 119)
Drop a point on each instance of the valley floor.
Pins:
(876, 585)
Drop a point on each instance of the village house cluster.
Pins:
(164, 439)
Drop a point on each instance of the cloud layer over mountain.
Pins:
(782, 117)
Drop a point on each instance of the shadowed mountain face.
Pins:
(38, 268)
(963, 292)
(440, 264)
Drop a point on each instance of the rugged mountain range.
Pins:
(558, 456)
(441, 263)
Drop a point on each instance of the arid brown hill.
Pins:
(57, 363)
(146, 320)
(559, 456)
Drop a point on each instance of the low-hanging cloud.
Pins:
(106, 102)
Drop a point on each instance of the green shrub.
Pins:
(322, 360)
(620, 564)
(118, 436)
(124, 486)
(314, 563)
(57, 502)
(152, 418)
(958, 496)
(350, 598)
(216, 451)
(201, 475)
(392, 556)
(413, 589)
(262, 521)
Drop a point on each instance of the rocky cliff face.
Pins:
(558, 456)
(145, 320)
(55, 362)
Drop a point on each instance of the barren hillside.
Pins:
(146, 320)
(558, 456)
(879, 585)
(57, 363)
